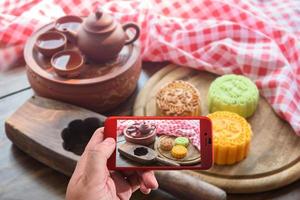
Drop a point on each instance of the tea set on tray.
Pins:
(99, 38)
(93, 62)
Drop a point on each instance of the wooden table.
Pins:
(22, 177)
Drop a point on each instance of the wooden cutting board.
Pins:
(36, 128)
(274, 156)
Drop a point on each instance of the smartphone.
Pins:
(162, 143)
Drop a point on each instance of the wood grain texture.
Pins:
(188, 184)
(13, 81)
(273, 160)
(36, 129)
(22, 177)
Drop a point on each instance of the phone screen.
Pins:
(161, 143)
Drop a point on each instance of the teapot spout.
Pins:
(71, 36)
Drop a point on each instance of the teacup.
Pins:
(68, 63)
(50, 42)
(68, 23)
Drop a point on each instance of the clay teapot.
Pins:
(145, 128)
(100, 38)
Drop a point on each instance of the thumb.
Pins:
(96, 160)
(106, 149)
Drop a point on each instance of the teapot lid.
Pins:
(99, 22)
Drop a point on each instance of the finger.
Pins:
(96, 159)
(143, 188)
(112, 188)
(148, 178)
(134, 182)
(123, 188)
(96, 138)
(135, 178)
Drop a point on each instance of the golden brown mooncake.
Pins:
(166, 144)
(178, 98)
(232, 137)
(179, 151)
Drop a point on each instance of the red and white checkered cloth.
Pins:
(185, 128)
(259, 39)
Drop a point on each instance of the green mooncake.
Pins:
(182, 141)
(233, 93)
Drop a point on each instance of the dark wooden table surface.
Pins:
(22, 177)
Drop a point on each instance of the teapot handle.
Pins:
(153, 126)
(137, 32)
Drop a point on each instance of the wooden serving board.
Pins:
(192, 157)
(274, 156)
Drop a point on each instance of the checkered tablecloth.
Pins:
(259, 39)
(185, 128)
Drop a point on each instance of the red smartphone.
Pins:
(162, 143)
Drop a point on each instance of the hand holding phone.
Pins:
(98, 182)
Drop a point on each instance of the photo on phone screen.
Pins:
(158, 143)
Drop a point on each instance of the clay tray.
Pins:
(100, 87)
(274, 155)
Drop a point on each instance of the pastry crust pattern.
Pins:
(234, 93)
(178, 98)
(231, 137)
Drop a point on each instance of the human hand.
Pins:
(92, 180)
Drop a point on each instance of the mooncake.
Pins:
(178, 98)
(184, 141)
(179, 151)
(234, 93)
(231, 136)
(166, 144)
